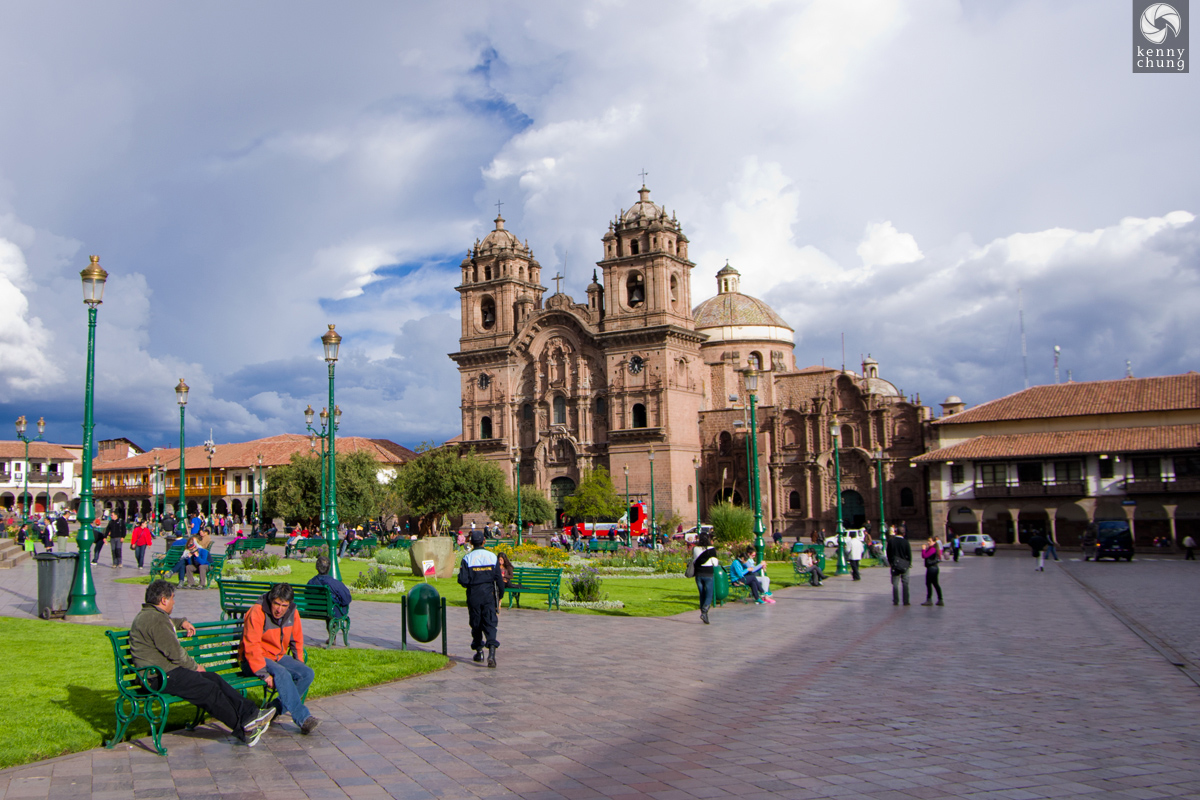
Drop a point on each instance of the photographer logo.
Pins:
(1160, 36)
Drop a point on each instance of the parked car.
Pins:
(978, 543)
(689, 535)
(1114, 540)
(832, 541)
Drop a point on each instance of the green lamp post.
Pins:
(181, 393)
(315, 436)
(21, 425)
(879, 454)
(696, 465)
(258, 512)
(835, 434)
(155, 476)
(653, 516)
(751, 378)
(331, 341)
(628, 521)
(516, 459)
(210, 449)
(83, 606)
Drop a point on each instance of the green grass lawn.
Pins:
(61, 686)
(643, 597)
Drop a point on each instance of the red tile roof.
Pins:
(38, 450)
(1063, 443)
(1130, 395)
(275, 450)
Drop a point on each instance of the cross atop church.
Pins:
(498, 204)
(643, 173)
(557, 284)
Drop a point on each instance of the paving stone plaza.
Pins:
(1025, 685)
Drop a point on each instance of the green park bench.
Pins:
(603, 546)
(534, 580)
(312, 602)
(492, 544)
(164, 565)
(816, 549)
(257, 543)
(215, 647)
(737, 591)
(401, 543)
(361, 544)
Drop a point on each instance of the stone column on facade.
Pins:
(1170, 509)
(1050, 517)
(1015, 515)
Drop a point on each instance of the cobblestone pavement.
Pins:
(1022, 686)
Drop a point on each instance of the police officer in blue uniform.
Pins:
(480, 574)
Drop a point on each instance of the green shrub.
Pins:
(536, 554)
(392, 556)
(731, 523)
(585, 585)
(253, 560)
(373, 578)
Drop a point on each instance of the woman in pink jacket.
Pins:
(932, 553)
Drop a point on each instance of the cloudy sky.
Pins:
(894, 171)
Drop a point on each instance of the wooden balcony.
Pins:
(134, 490)
(1071, 489)
(1162, 487)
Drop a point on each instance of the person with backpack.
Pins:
(1038, 545)
(899, 555)
(704, 562)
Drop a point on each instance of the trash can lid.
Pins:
(45, 557)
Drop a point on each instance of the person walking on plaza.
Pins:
(139, 541)
(480, 575)
(899, 555)
(1090, 540)
(1051, 549)
(932, 553)
(98, 547)
(61, 529)
(154, 642)
(1189, 548)
(1038, 545)
(704, 561)
(854, 553)
(115, 531)
(272, 648)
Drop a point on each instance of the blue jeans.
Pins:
(704, 583)
(292, 679)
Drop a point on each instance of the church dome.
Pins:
(732, 316)
(643, 209)
(501, 239)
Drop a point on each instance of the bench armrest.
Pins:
(144, 673)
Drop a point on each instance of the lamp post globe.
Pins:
(82, 607)
(834, 434)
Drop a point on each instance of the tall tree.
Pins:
(444, 482)
(535, 507)
(594, 498)
(293, 490)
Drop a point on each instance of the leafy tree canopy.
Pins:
(293, 490)
(444, 482)
(594, 498)
(535, 507)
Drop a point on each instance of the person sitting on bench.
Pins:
(341, 595)
(738, 574)
(193, 560)
(153, 642)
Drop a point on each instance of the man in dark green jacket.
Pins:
(154, 642)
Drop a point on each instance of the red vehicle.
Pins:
(637, 519)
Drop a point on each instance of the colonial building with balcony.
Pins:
(233, 479)
(1055, 458)
(49, 477)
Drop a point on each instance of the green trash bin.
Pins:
(423, 614)
(720, 585)
(56, 578)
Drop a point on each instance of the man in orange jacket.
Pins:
(273, 649)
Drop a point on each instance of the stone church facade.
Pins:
(637, 381)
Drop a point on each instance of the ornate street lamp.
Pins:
(696, 465)
(835, 433)
(181, 393)
(516, 459)
(21, 425)
(879, 455)
(653, 518)
(210, 448)
(751, 377)
(331, 341)
(628, 510)
(155, 475)
(258, 514)
(83, 592)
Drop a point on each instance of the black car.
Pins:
(1114, 540)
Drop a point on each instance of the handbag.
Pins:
(690, 572)
(901, 564)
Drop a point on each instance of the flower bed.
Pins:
(596, 605)
(396, 587)
(232, 573)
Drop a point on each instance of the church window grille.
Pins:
(487, 273)
(725, 443)
(633, 247)
(601, 407)
(635, 290)
(639, 415)
(907, 500)
(794, 501)
(527, 412)
(691, 497)
(847, 436)
(560, 410)
(485, 428)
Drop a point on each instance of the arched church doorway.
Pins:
(729, 495)
(854, 511)
(560, 489)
